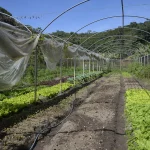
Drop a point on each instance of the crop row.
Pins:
(18, 102)
(14, 104)
(138, 118)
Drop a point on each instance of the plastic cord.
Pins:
(37, 136)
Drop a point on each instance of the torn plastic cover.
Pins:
(16, 46)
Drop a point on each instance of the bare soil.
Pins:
(96, 123)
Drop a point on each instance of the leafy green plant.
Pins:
(126, 75)
(14, 104)
(80, 79)
(138, 112)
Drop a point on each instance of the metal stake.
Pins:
(35, 74)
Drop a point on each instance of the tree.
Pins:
(5, 11)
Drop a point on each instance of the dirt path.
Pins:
(98, 123)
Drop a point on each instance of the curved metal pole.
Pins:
(137, 29)
(116, 41)
(115, 45)
(100, 33)
(124, 27)
(108, 49)
(62, 14)
(106, 19)
(17, 21)
(121, 35)
(116, 49)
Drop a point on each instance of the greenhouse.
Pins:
(76, 77)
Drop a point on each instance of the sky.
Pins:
(44, 11)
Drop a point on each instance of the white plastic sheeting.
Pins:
(53, 51)
(16, 46)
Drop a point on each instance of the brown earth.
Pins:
(97, 121)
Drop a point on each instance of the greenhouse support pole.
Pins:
(120, 63)
(101, 64)
(144, 60)
(83, 67)
(67, 62)
(93, 65)
(112, 63)
(74, 70)
(35, 74)
(89, 65)
(147, 59)
(61, 71)
(71, 62)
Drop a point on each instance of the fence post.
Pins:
(89, 65)
(74, 70)
(61, 71)
(144, 60)
(83, 67)
(67, 62)
(93, 65)
(120, 63)
(35, 74)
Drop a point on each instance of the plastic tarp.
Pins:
(53, 50)
(16, 46)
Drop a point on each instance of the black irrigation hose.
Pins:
(37, 136)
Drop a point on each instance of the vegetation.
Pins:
(139, 70)
(126, 75)
(138, 112)
(78, 38)
(80, 79)
(14, 104)
(13, 101)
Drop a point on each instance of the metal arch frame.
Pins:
(118, 28)
(116, 41)
(137, 29)
(62, 14)
(116, 48)
(124, 27)
(114, 45)
(17, 21)
(106, 19)
(105, 49)
(100, 40)
(121, 35)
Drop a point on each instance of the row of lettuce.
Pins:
(137, 111)
(21, 100)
